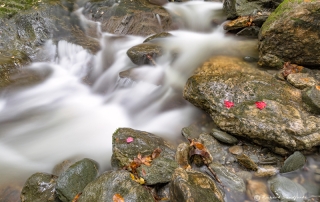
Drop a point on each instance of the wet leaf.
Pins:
(228, 104)
(140, 180)
(76, 198)
(289, 68)
(117, 198)
(129, 140)
(261, 105)
(197, 145)
(156, 153)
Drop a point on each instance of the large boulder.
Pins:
(283, 125)
(291, 33)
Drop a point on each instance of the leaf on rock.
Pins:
(117, 198)
(76, 198)
(228, 104)
(140, 180)
(289, 68)
(156, 153)
(261, 105)
(129, 140)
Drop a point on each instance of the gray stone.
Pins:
(107, 185)
(287, 190)
(229, 179)
(311, 98)
(40, 187)
(293, 162)
(75, 179)
(223, 136)
(193, 186)
(182, 155)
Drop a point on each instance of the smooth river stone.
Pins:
(223, 137)
(293, 162)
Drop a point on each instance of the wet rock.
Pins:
(115, 182)
(75, 179)
(10, 193)
(236, 150)
(217, 151)
(252, 31)
(156, 36)
(266, 171)
(190, 132)
(283, 35)
(163, 192)
(144, 53)
(301, 80)
(232, 181)
(40, 187)
(283, 125)
(144, 143)
(236, 8)
(287, 190)
(223, 137)
(128, 17)
(182, 155)
(257, 191)
(158, 2)
(160, 171)
(311, 98)
(193, 186)
(61, 167)
(293, 162)
(247, 162)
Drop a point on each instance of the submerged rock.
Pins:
(40, 187)
(112, 183)
(193, 186)
(282, 125)
(257, 191)
(10, 193)
(247, 162)
(75, 179)
(287, 190)
(293, 162)
(291, 33)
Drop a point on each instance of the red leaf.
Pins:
(261, 105)
(228, 104)
(129, 140)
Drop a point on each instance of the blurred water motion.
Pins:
(64, 117)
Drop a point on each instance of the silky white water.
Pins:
(74, 111)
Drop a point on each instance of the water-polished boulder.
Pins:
(291, 33)
(268, 111)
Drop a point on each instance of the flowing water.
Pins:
(74, 111)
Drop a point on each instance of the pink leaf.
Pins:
(129, 139)
(228, 104)
(261, 105)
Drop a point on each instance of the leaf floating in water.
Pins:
(228, 104)
(261, 105)
(129, 140)
(117, 198)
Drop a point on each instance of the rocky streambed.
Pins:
(258, 139)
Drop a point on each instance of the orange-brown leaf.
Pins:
(117, 198)
(156, 153)
(75, 199)
(146, 160)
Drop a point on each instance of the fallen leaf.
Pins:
(289, 68)
(117, 198)
(129, 140)
(156, 153)
(137, 179)
(228, 104)
(75, 199)
(197, 145)
(261, 105)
